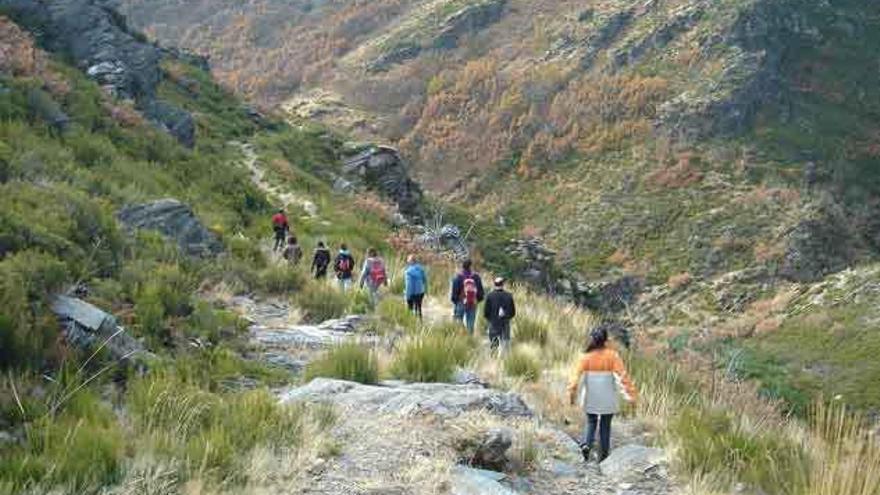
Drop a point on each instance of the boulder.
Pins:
(816, 248)
(381, 169)
(608, 296)
(174, 220)
(469, 481)
(96, 38)
(631, 462)
(491, 452)
(407, 399)
(87, 327)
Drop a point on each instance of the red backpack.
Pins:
(469, 292)
(377, 272)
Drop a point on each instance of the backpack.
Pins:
(377, 272)
(469, 292)
(343, 264)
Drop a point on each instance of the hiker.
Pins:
(344, 266)
(320, 261)
(292, 253)
(281, 228)
(499, 310)
(415, 285)
(595, 381)
(374, 275)
(467, 293)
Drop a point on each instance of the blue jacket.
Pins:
(415, 279)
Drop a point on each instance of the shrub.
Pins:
(523, 364)
(431, 357)
(352, 362)
(527, 329)
(392, 312)
(320, 302)
(282, 279)
(80, 449)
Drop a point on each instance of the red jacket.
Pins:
(279, 220)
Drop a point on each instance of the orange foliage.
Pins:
(682, 174)
(20, 57)
(678, 281)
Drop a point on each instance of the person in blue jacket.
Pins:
(415, 285)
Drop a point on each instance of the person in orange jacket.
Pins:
(597, 381)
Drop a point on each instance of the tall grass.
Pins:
(522, 363)
(349, 361)
(319, 302)
(431, 357)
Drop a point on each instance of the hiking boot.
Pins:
(585, 451)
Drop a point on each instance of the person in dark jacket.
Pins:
(320, 261)
(499, 310)
(344, 266)
(467, 293)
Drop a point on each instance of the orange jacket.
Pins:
(604, 369)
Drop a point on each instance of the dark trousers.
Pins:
(414, 303)
(321, 273)
(603, 423)
(280, 234)
(499, 334)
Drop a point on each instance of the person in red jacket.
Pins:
(281, 228)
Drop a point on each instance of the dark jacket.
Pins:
(458, 286)
(343, 275)
(497, 300)
(321, 260)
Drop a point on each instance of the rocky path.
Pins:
(251, 161)
(421, 438)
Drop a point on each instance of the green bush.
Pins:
(214, 324)
(319, 302)
(213, 433)
(352, 362)
(81, 449)
(526, 329)
(712, 441)
(393, 314)
(431, 357)
(522, 364)
(282, 279)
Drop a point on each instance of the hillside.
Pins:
(729, 143)
(152, 343)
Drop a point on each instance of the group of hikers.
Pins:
(598, 379)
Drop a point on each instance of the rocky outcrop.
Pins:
(681, 21)
(97, 39)
(381, 168)
(321, 336)
(753, 49)
(815, 249)
(537, 262)
(406, 399)
(86, 327)
(176, 221)
(470, 18)
(470, 481)
(631, 463)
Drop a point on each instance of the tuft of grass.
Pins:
(320, 302)
(350, 361)
(527, 329)
(393, 314)
(282, 279)
(431, 357)
(522, 364)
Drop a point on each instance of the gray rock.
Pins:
(816, 248)
(87, 327)
(562, 469)
(381, 169)
(491, 453)
(469, 481)
(289, 363)
(97, 39)
(409, 399)
(467, 377)
(176, 221)
(306, 337)
(631, 462)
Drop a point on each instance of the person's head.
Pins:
(499, 283)
(343, 247)
(281, 210)
(372, 252)
(321, 244)
(598, 339)
(291, 239)
(411, 259)
(466, 265)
